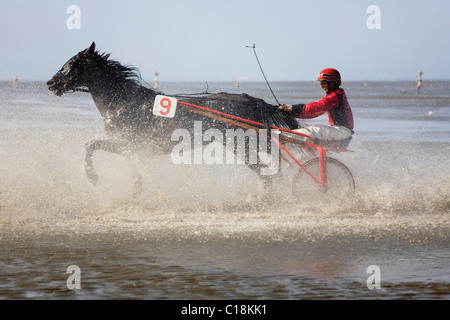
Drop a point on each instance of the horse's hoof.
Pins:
(93, 179)
(91, 175)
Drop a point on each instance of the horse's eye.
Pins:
(66, 69)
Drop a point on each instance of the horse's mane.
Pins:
(130, 75)
(121, 73)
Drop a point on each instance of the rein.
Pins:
(217, 115)
(232, 119)
(80, 89)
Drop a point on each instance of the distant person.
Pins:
(340, 117)
(419, 82)
(155, 81)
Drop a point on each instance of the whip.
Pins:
(254, 50)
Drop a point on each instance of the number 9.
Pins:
(165, 104)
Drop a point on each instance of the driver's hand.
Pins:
(285, 108)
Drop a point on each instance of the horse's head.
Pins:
(74, 72)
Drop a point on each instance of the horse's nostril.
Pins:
(50, 82)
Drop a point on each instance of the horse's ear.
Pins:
(92, 48)
(88, 52)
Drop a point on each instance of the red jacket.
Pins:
(335, 104)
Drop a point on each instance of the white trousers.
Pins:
(323, 132)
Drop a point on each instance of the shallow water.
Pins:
(203, 232)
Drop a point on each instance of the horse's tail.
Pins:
(246, 106)
(284, 120)
(272, 116)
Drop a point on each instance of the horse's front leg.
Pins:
(112, 146)
(91, 147)
(117, 147)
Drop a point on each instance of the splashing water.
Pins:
(402, 199)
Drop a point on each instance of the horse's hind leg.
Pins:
(137, 176)
(267, 181)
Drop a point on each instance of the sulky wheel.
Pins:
(340, 182)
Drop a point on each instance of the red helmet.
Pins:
(330, 74)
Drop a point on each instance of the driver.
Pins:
(340, 117)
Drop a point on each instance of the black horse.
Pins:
(125, 104)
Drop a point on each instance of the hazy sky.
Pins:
(205, 40)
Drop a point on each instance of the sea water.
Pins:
(205, 232)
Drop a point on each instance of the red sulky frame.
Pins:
(241, 122)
